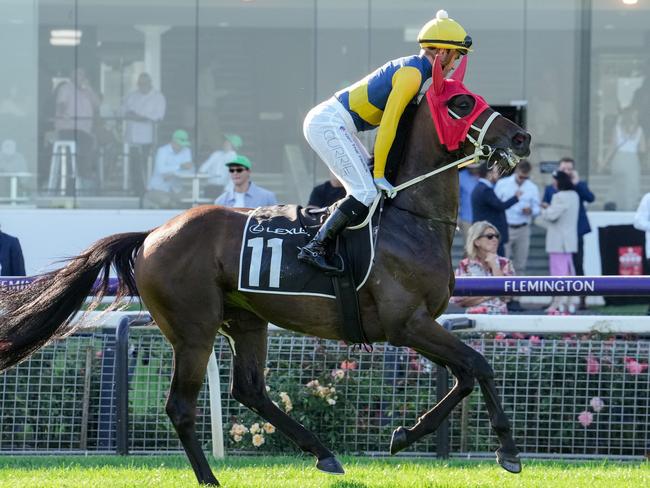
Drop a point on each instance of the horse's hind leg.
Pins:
(248, 336)
(190, 363)
(431, 340)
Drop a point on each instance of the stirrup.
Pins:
(320, 261)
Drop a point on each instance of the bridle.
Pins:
(481, 151)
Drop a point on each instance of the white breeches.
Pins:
(330, 132)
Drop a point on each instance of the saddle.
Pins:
(268, 260)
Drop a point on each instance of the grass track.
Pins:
(290, 472)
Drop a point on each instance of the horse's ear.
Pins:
(438, 79)
(459, 72)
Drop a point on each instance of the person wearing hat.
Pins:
(378, 100)
(164, 187)
(215, 165)
(244, 193)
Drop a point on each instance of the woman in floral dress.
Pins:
(482, 260)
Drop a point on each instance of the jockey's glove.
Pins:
(383, 185)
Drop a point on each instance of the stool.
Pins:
(64, 153)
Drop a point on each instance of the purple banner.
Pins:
(553, 286)
(494, 286)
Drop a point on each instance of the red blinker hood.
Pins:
(451, 131)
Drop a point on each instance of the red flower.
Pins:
(634, 367)
(593, 366)
(348, 365)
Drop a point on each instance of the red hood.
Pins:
(451, 131)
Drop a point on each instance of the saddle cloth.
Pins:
(269, 263)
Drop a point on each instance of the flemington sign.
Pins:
(550, 286)
(492, 285)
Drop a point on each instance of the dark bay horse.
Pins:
(186, 271)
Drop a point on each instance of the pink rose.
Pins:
(634, 367)
(585, 418)
(534, 340)
(593, 366)
(597, 404)
(499, 336)
(347, 365)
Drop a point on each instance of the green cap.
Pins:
(235, 140)
(240, 161)
(181, 138)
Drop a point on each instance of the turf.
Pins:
(272, 472)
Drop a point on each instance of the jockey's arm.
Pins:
(406, 84)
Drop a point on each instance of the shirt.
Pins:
(151, 105)
(166, 165)
(585, 195)
(474, 267)
(380, 98)
(255, 196)
(216, 167)
(467, 183)
(642, 220)
(325, 195)
(78, 108)
(506, 189)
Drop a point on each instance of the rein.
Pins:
(480, 151)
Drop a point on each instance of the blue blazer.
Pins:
(11, 256)
(487, 206)
(585, 195)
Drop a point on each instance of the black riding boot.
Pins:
(316, 251)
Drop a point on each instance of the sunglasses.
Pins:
(489, 237)
(236, 170)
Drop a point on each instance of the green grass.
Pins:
(290, 472)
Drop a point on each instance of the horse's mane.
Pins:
(398, 149)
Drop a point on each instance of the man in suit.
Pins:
(11, 256)
(487, 206)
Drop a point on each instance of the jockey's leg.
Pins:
(330, 131)
(316, 252)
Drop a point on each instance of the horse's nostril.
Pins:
(520, 139)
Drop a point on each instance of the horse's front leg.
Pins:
(430, 339)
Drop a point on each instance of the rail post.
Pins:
(122, 380)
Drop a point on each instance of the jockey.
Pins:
(377, 100)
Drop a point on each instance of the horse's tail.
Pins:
(44, 309)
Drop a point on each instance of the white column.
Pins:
(152, 42)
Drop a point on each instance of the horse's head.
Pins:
(465, 122)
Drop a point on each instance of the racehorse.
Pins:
(186, 273)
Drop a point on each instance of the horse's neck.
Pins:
(435, 198)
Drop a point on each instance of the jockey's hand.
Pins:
(383, 185)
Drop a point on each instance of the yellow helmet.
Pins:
(445, 33)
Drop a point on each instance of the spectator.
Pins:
(327, 193)
(467, 180)
(164, 187)
(215, 165)
(567, 165)
(641, 101)
(11, 256)
(561, 221)
(142, 109)
(487, 206)
(627, 150)
(642, 222)
(76, 105)
(244, 193)
(520, 215)
(483, 260)
(11, 161)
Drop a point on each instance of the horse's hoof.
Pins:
(398, 441)
(509, 462)
(330, 465)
